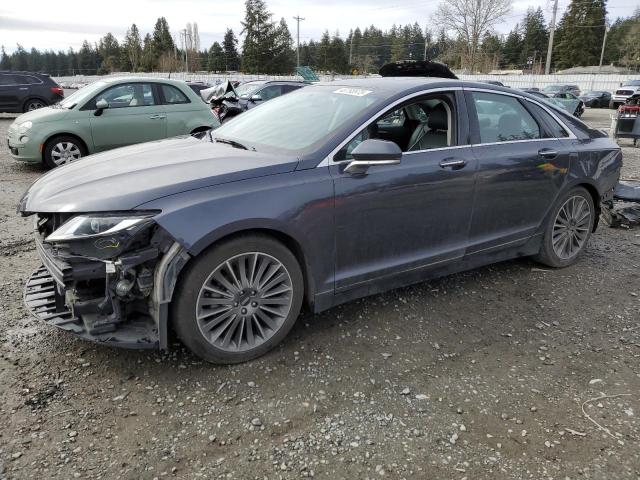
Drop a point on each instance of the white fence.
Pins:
(585, 81)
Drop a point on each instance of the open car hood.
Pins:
(217, 94)
(419, 68)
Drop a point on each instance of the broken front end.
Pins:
(105, 277)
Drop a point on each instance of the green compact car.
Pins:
(108, 114)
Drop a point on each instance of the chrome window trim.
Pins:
(509, 94)
(328, 160)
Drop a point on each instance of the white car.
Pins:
(630, 87)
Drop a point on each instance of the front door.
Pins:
(521, 168)
(397, 218)
(134, 115)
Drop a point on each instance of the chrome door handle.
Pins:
(23, 88)
(156, 117)
(453, 164)
(547, 153)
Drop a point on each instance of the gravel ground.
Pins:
(501, 372)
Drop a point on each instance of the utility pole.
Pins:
(604, 44)
(426, 34)
(298, 19)
(547, 67)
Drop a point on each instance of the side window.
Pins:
(128, 95)
(290, 88)
(556, 130)
(272, 91)
(422, 124)
(502, 118)
(6, 80)
(173, 96)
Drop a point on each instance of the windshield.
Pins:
(593, 94)
(246, 89)
(296, 122)
(80, 96)
(553, 88)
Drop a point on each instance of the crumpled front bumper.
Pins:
(45, 300)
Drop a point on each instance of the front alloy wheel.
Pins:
(244, 302)
(238, 300)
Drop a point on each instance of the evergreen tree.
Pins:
(230, 48)
(5, 60)
(284, 57)
(162, 41)
(109, 51)
(20, 58)
(512, 48)
(580, 33)
(148, 60)
(259, 37)
(215, 58)
(133, 47)
(534, 36)
(87, 59)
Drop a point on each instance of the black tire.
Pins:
(33, 104)
(193, 284)
(52, 149)
(548, 255)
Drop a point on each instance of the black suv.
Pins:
(25, 91)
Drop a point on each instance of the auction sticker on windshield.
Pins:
(356, 92)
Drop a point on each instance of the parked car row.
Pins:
(332, 192)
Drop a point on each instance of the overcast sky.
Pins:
(41, 24)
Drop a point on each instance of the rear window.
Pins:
(173, 96)
(556, 130)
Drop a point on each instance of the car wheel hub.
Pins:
(64, 152)
(244, 302)
(571, 227)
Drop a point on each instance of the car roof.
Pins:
(24, 72)
(122, 79)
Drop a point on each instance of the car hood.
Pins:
(46, 114)
(124, 178)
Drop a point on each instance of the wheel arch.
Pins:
(63, 134)
(286, 238)
(595, 195)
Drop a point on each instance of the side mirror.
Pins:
(373, 152)
(101, 105)
(256, 98)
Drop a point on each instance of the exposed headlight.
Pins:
(87, 226)
(24, 126)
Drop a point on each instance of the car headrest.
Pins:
(511, 125)
(438, 119)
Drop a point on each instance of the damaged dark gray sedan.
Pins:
(331, 193)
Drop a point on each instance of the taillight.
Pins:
(57, 90)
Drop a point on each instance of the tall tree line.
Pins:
(267, 46)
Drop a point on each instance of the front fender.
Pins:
(297, 204)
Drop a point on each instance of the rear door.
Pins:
(177, 107)
(135, 115)
(8, 92)
(522, 166)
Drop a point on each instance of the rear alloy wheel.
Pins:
(62, 150)
(34, 104)
(568, 229)
(239, 300)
